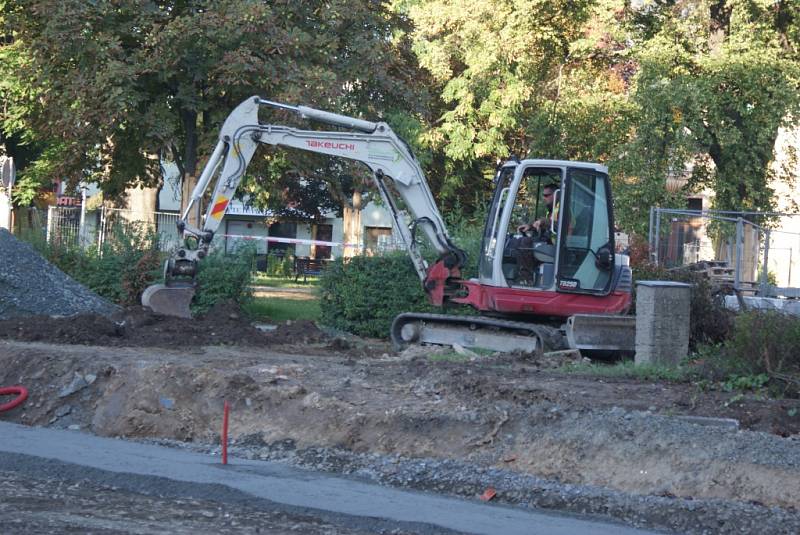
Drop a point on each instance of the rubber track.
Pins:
(551, 337)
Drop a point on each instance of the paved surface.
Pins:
(162, 467)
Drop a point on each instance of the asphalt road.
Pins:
(354, 506)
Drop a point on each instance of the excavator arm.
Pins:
(372, 143)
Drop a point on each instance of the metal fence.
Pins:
(163, 224)
(74, 227)
(763, 249)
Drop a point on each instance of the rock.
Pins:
(63, 410)
(78, 383)
(463, 351)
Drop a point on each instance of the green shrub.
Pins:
(280, 267)
(762, 352)
(128, 261)
(467, 233)
(363, 294)
(221, 277)
(766, 342)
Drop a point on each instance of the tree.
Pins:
(528, 77)
(717, 81)
(112, 87)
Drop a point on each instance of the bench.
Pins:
(308, 266)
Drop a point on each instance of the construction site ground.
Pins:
(661, 455)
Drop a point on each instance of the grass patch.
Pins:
(454, 356)
(278, 309)
(262, 279)
(628, 369)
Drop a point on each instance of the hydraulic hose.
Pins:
(21, 393)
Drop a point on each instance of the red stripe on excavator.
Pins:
(219, 207)
(541, 302)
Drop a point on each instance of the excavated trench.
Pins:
(510, 416)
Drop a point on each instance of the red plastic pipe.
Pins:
(21, 393)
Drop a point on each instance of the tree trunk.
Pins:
(142, 204)
(187, 186)
(352, 227)
(189, 119)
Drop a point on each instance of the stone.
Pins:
(78, 383)
(463, 351)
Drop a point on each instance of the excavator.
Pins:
(576, 295)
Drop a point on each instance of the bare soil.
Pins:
(136, 326)
(151, 377)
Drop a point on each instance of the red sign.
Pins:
(68, 201)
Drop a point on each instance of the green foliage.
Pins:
(715, 85)
(761, 354)
(222, 277)
(647, 372)
(280, 267)
(466, 231)
(766, 342)
(117, 83)
(128, 261)
(492, 59)
(365, 293)
(745, 382)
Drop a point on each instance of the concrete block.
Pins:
(662, 322)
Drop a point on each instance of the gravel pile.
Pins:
(32, 286)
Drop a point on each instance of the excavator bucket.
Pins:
(601, 332)
(172, 300)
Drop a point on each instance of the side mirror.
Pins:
(604, 258)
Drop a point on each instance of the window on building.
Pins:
(377, 238)
(281, 230)
(324, 233)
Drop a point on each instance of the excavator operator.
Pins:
(543, 223)
(541, 233)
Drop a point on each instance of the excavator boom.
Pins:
(371, 143)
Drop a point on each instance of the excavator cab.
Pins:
(573, 250)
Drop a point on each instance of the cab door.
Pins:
(585, 253)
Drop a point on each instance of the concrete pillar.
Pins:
(662, 322)
(5, 210)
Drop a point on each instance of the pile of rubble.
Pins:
(32, 286)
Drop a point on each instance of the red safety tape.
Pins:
(20, 391)
(290, 240)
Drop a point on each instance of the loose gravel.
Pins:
(32, 286)
(665, 512)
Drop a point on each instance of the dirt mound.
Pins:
(32, 286)
(136, 326)
(299, 332)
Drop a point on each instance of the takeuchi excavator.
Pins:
(576, 296)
